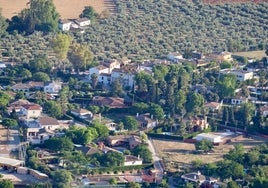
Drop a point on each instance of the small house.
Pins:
(145, 121)
(239, 100)
(213, 106)
(21, 87)
(82, 22)
(175, 57)
(31, 110)
(82, 113)
(131, 160)
(64, 24)
(53, 87)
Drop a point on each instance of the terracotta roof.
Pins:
(113, 102)
(48, 121)
(20, 102)
(20, 86)
(36, 84)
(32, 107)
(213, 104)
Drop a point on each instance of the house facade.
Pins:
(31, 110)
(65, 25)
(53, 87)
(82, 22)
(125, 77)
(41, 129)
(145, 121)
(238, 100)
(131, 160)
(175, 57)
(241, 75)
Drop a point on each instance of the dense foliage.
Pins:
(143, 29)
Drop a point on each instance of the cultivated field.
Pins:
(232, 1)
(66, 8)
(178, 153)
(252, 54)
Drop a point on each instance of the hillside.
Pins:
(66, 8)
(145, 28)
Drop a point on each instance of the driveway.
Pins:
(157, 165)
(8, 142)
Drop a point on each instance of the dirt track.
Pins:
(66, 8)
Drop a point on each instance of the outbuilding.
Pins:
(215, 139)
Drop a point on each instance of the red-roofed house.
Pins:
(31, 110)
(49, 123)
(112, 102)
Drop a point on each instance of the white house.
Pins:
(82, 113)
(98, 70)
(239, 100)
(53, 87)
(241, 75)
(104, 71)
(131, 160)
(41, 129)
(82, 22)
(197, 177)
(48, 123)
(125, 77)
(31, 110)
(104, 79)
(65, 25)
(215, 139)
(175, 57)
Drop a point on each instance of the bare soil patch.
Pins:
(252, 54)
(68, 9)
(179, 152)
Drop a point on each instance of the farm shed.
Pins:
(215, 139)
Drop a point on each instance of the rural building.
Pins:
(131, 160)
(145, 121)
(53, 87)
(31, 110)
(215, 139)
(238, 100)
(82, 22)
(82, 113)
(241, 75)
(129, 141)
(125, 75)
(197, 177)
(112, 102)
(21, 87)
(213, 106)
(65, 25)
(175, 57)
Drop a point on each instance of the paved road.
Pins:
(157, 165)
(8, 142)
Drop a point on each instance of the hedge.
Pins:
(164, 136)
(120, 168)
